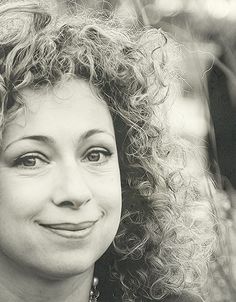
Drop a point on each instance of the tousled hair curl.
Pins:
(161, 246)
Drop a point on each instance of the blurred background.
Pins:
(204, 109)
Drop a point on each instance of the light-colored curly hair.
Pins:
(162, 246)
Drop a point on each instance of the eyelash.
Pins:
(106, 153)
(19, 162)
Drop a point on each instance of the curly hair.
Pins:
(162, 246)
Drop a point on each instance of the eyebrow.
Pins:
(50, 141)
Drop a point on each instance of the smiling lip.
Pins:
(71, 230)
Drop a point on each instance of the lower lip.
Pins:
(80, 234)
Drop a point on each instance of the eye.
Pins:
(30, 161)
(97, 155)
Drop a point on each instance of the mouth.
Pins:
(71, 230)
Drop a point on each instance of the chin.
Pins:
(62, 267)
(61, 272)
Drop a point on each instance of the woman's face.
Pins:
(60, 193)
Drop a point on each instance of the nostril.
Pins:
(66, 203)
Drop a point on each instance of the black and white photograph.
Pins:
(118, 151)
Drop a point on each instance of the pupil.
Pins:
(29, 161)
(94, 156)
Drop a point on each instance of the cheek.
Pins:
(20, 197)
(107, 193)
(107, 190)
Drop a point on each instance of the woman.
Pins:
(81, 135)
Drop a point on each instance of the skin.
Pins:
(58, 166)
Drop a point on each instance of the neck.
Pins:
(25, 286)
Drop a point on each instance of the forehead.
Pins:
(70, 106)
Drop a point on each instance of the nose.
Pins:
(70, 187)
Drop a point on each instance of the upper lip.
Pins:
(70, 226)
